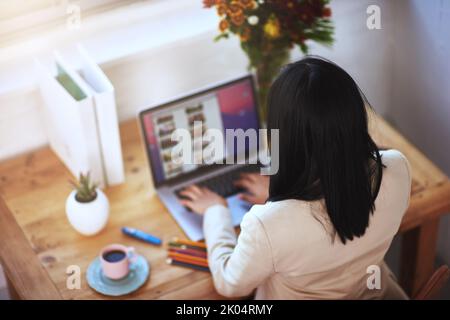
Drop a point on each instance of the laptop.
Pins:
(225, 108)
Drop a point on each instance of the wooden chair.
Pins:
(432, 288)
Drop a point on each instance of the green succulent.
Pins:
(85, 188)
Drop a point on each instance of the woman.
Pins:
(332, 209)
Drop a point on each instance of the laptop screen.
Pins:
(229, 106)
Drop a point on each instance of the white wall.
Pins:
(365, 54)
(151, 76)
(421, 84)
(20, 123)
(198, 62)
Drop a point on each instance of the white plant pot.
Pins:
(88, 218)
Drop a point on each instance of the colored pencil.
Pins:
(187, 260)
(195, 253)
(187, 265)
(190, 243)
(184, 256)
(183, 246)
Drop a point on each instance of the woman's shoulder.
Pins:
(284, 214)
(393, 156)
(288, 221)
(396, 182)
(274, 209)
(396, 163)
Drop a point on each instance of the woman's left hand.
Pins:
(198, 199)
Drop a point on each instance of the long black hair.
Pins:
(325, 150)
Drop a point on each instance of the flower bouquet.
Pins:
(269, 29)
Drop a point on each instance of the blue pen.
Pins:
(141, 235)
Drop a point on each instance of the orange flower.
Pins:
(221, 9)
(234, 10)
(245, 35)
(238, 20)
(208, 3)
(223, 25)
(247, 4)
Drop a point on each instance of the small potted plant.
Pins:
(87, 207)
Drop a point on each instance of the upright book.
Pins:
(69, 118)
(106, 116)
(81, 119)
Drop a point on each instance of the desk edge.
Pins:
(33, 282)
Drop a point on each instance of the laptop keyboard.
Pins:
(223, 184)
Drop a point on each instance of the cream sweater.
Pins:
(286, 250)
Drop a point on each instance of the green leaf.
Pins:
(85, 189)
(221, 36)
(303, 47)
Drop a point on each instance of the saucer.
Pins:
(138, 275)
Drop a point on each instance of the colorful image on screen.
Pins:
(229, 107)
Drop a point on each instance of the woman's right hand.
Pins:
(256, 187)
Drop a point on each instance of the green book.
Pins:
(67, 82)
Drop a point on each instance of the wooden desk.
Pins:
(37, 243)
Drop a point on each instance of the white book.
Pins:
(107, 119)
(70, 119)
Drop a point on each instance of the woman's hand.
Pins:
(256, 187)
(198, 199)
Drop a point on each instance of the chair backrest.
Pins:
(432, 288)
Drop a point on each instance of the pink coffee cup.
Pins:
(116, 259)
